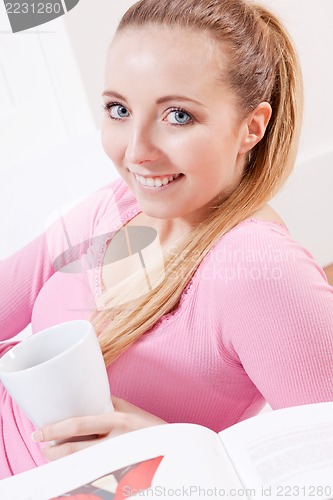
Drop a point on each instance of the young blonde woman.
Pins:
(203, 104)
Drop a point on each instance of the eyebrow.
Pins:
(161, 100)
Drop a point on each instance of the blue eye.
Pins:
(116, 111)
(179, 117)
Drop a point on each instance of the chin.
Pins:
(156, 212)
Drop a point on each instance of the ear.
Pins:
(255, 126)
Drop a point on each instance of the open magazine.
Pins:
(286, 453)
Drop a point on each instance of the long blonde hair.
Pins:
(263, 66)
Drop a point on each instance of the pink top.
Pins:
(255, 323)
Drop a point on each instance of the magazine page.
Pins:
(180, 460)
(287, 452)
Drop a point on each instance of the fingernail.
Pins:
(37, 436)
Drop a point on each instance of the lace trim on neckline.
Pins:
(266, 221)
(184, 296)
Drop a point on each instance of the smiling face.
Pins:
(168, 114)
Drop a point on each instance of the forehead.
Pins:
(159, 54)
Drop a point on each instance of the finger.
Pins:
(121, 405)
(80, 426)
(56, 451)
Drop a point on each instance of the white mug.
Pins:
(58, 373)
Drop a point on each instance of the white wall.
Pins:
(311, 26)
(306, 202)
(42, 100)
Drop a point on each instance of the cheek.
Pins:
(217, 148)
(196, 152)
(188, 151)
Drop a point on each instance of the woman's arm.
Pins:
(21, 277)
(280, 320)
(24, 274)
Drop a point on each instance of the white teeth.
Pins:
(157, 181)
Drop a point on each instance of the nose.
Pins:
(142, 145)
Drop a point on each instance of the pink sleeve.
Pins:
(23, 274)
(278, 318)
(21, 277)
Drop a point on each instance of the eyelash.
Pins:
(181, 110)
(107, 106)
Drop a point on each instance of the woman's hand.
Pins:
(65, 435)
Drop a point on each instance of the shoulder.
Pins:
(258, 255)
(267, 213)
(118, 192)
(266, 287)
(89, 216)
(113, 192)
(112, 200)
(254, 239)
